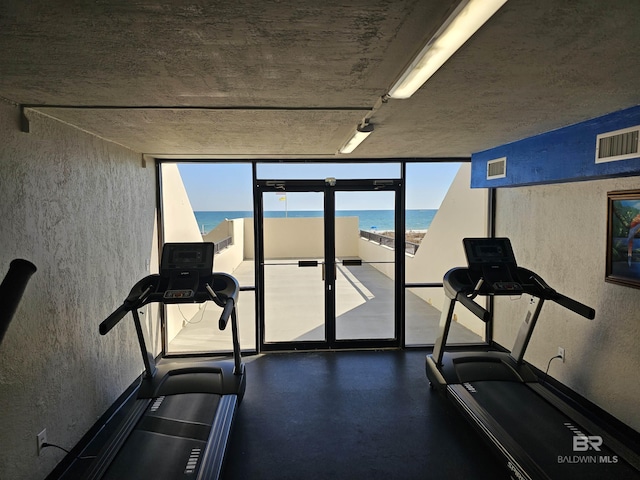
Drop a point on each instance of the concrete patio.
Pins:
(294, 310)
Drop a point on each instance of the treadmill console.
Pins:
(493, 261)
(183, 266)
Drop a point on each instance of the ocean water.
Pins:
(370, 220)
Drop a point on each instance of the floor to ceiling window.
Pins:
(335, 245)
(210, 202)
(441, 193)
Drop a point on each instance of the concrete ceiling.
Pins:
(293, 78)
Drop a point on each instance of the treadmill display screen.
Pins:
(492, 259)
(489, 251)
(187, 256)
(482, 251)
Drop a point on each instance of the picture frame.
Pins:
(623, 238)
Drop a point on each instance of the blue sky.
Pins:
(631, 203)
(227, 187)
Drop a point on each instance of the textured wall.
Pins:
(559, 231)
(83, 211)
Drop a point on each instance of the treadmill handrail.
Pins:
(221, 288)
(575, 306)
(567, 302)
(463, 284)
(229, 305)
(142, 294)
(460, 283)
(480, 312)
(226, 313)
(113, 319)
(139, 293)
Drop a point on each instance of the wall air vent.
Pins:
(497, 168)
(618, 145)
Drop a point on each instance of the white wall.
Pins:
(83, 211)
(559, 231)
(463, 213)
(231, 257)
(223, 230)
(180, 225)
(249, 239)
(370, 251)
(179, 221)
(286, 238)
(347, 237)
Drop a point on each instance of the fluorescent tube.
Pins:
(456, 30)
(360, 134)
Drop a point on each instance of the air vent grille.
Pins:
(618, 145)
(497, 168)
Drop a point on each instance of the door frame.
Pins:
(328, 187)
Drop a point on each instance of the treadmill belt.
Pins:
(157, 456)
(545, 433)
(175, 428)
(169, 440)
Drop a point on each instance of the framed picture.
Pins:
(623, 238)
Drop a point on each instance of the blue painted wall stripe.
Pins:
(563, 155)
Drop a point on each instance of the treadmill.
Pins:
(178, 421)
(536, 433)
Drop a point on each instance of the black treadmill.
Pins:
(537, 434)
(178, 422)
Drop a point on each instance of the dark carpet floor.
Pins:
(350, 415)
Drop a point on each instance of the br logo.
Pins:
(582, 443)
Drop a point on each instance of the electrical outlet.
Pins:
(561, 353)
(42, 439)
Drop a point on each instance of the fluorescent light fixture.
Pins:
(362, 132)
(466, 19)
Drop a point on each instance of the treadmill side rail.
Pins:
(627, 454)
(214, 454)
(110, 450)
(518, 463)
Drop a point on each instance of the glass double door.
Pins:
(327, 263)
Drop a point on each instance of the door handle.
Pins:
(352, 263)
(307, 263)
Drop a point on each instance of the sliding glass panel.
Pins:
(294, 293)
(211, 203)
(365, 263)
(441, 210)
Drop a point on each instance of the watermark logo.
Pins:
(586, 443)
(583, 443)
